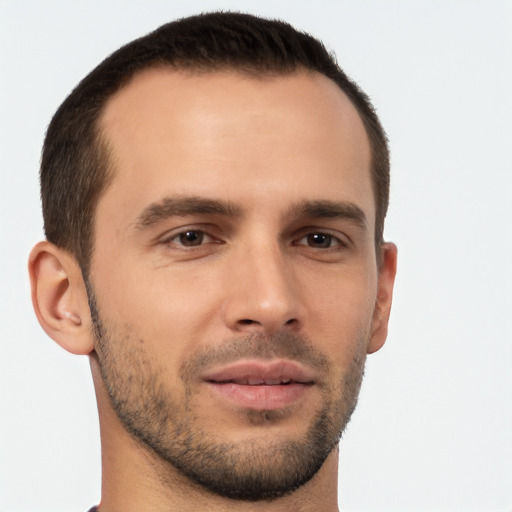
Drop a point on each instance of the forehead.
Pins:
(241, 137)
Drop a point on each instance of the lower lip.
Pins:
(261, 398)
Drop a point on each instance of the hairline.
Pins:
(104, 150)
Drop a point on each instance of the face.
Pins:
(234, 278)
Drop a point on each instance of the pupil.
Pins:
(191, 238)
(320, 240)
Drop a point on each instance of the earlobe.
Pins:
(59, 297)
(387, 273)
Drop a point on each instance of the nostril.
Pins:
(270, 326)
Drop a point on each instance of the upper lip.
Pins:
(255, 373)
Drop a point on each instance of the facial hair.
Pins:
(168, 426)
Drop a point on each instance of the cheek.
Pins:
(341, 316)
(165, 308)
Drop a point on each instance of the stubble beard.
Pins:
(260, 469)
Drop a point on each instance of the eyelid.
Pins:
(342, 239)
(168, 237)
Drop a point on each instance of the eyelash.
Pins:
(201, 234)
(338, 241)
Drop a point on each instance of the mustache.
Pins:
(257, 346)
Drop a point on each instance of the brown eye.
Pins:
(190, 238)
(319, 240)
(322, 246)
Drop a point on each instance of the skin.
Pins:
(265, 146)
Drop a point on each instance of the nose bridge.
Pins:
(263, 294)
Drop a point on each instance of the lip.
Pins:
(261, 385)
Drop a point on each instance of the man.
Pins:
(214, 197)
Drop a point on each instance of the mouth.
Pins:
(257, 381)
(261, 385)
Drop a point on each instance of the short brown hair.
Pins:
(75, 164)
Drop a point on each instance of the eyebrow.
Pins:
(183, 206)
(329, 210)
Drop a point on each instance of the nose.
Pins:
(263, 294)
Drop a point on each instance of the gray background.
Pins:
(433, 430)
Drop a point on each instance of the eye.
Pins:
(320, 240)
(189, 238)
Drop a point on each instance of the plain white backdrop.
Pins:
(433, 429)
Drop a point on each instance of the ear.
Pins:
(386, 281)
(59, 297)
